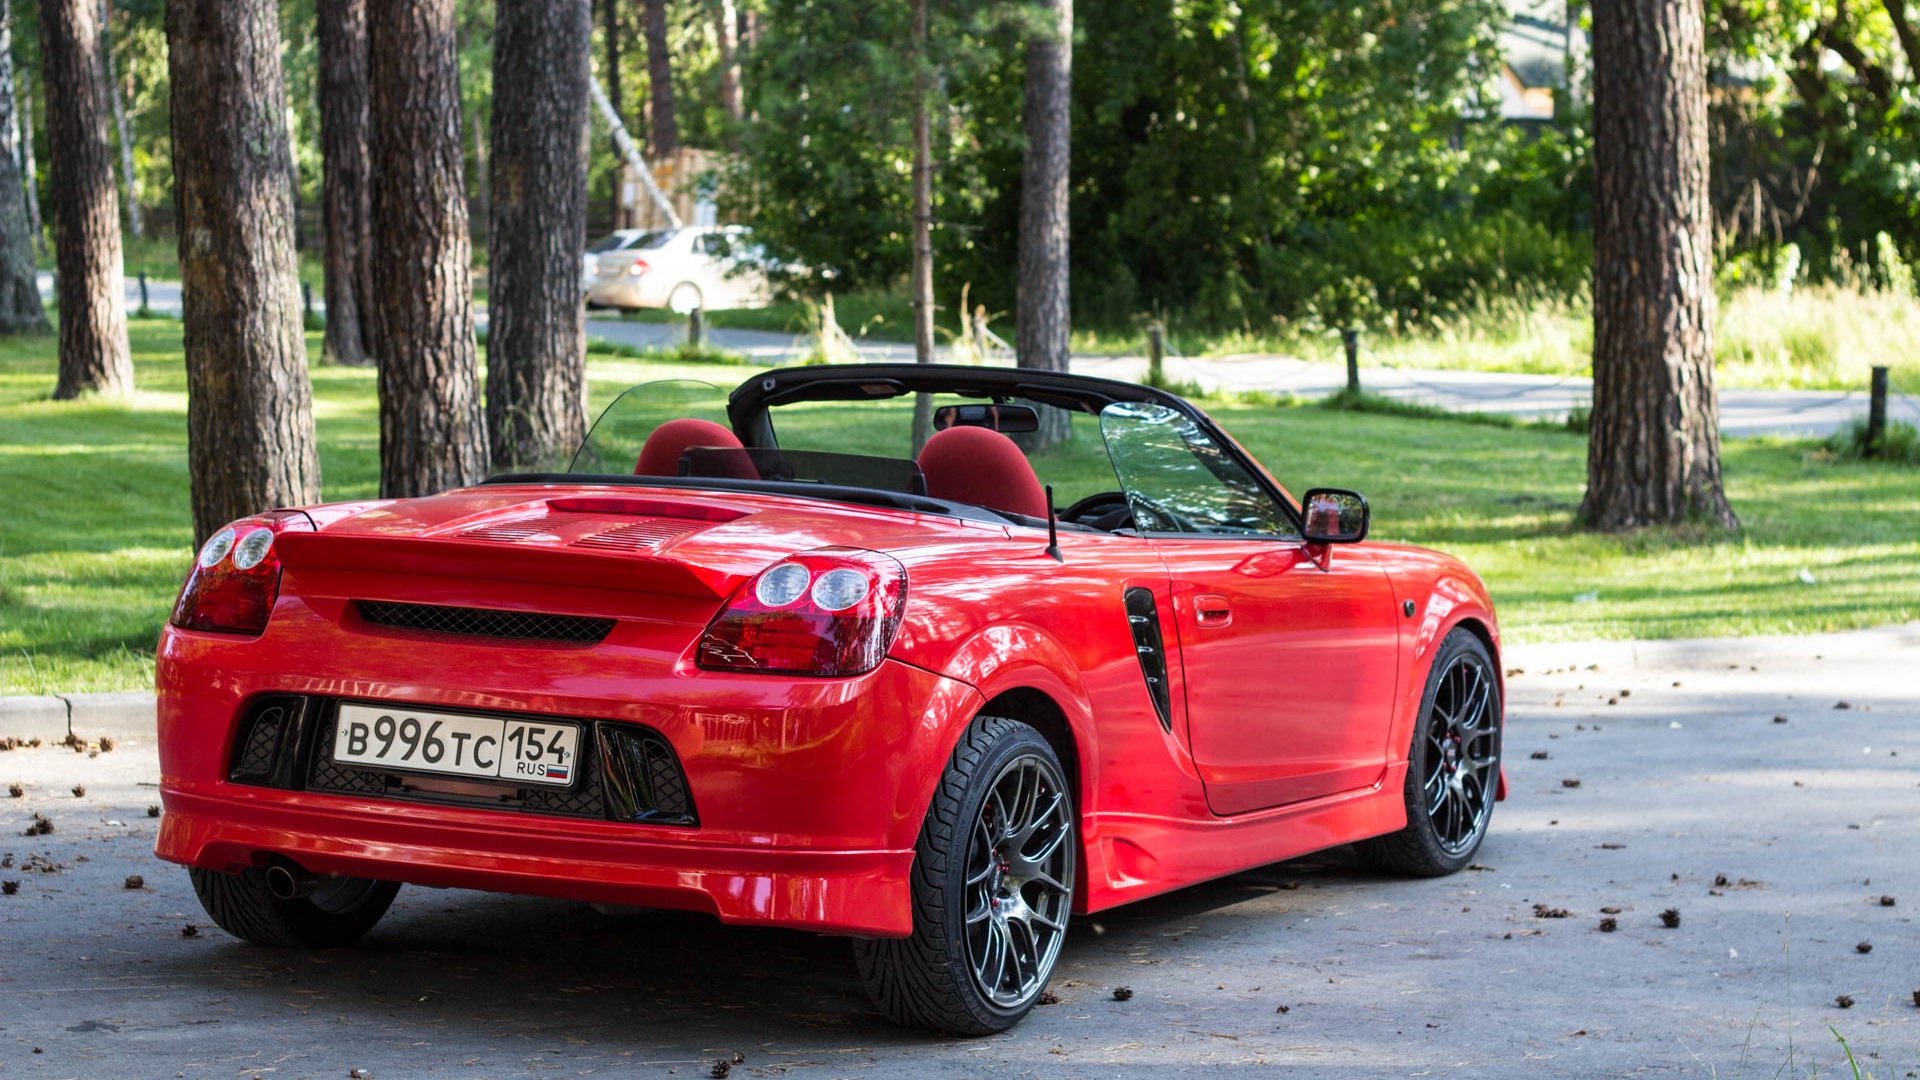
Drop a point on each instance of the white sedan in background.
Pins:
(711, 267)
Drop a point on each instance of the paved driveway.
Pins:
(1684, 777)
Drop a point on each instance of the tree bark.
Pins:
(20, 310)
(610, 19)
(250, 441)
(92, 280)
(345, 201)
(922, 218)
(1653, 453)
(665, 137)
(1045, 311)
(117, 96)
(432, 433)
(726, 33)
(30, 169)
(536, 339)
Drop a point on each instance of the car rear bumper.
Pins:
(226, 827)
(808, 794)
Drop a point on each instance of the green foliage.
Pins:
(1899, 444)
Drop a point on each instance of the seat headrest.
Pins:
(982, 467)
(661, 454)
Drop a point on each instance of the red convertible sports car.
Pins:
(746, 658)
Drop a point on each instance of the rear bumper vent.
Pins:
(486, 622)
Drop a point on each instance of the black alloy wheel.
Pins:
(993, 880)
(1453, 768)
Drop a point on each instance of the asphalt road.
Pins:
(1684, 776)
(1742, 412)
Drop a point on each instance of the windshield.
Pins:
(609, 242)
(1177, 479)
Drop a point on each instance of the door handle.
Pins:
(1212, 610)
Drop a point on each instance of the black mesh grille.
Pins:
(263, 743)
(486, 622)
(263, 739)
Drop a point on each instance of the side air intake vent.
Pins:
(486, 622)
(1143, 618)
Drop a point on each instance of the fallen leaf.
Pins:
(1844, 1001)
(79, 791)
(1540, 755)
(8, 888)
(135, 881)
(1670, 917)
(1542, 911)
(1864, 947)
(1569, 782)
(1609, 925)
(189, 930)
(1123, 993)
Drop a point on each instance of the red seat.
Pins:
(983, 467)
(661, 454)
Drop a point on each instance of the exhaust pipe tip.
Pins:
(289, 882)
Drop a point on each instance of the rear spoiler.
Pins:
(494, 561)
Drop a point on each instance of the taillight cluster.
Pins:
(832, 611)
(236, 578)
(637, 267)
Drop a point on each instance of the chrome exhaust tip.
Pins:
(289, 882)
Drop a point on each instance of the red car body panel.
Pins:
(811, 791)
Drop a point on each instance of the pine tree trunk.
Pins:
(250, 441)
(922, 219)
(346, 209)
(92, 281)
(665, 139)
(536, 336)
(30, 169)
(432, 433)
(610, 18)
(1045, 313)
(1654, 445)
(135, 224)
(20, 310)
(726, 32)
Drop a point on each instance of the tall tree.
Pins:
(20, 310)
(610, 33)
(432, 433)
(664, 140)
(345, 200)
(1653, 454)
(250, 442)
(136, 223)
(726, 35)
(1045, 312)
(92, 281)
(922, 217)
(29, 168)
(536, 337)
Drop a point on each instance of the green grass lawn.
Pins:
(96, 534)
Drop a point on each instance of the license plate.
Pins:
(454, 744)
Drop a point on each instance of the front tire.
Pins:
(993, 878)
(338, 912)
(1453, 768)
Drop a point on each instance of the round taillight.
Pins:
(782, 585)
(217, 547)
(252, 548)
(840, 589)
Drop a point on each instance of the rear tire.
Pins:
(993, 877)
(339, 912)
(1453, 767)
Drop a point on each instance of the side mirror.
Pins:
(1334, 516)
